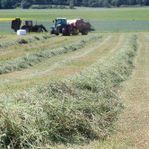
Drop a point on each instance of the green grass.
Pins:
(104, 20)
(77, 110)
(32, 59)
(101, 14)
(70, 111)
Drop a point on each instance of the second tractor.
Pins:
(70, 27)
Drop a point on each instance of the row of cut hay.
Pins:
(20, 41)
(79, 110)
(35, 58)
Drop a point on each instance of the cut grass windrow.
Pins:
(21, 41)
(72, 111)
(35, 58)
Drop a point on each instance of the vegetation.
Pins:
(66, 91)
(88, 3)
(21, 41)
(77, 110)
(35, 58)
(103, 20)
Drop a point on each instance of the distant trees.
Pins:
(87, 3)
(71, 4)
(110, 3)
(6, 3)
(25, 4)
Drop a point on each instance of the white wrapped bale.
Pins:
(21, 32)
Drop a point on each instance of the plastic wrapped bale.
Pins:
(21, 32)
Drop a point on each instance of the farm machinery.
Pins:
(70, 27)
(28, 26)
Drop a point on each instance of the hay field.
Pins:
(103, 19)
(75, 92)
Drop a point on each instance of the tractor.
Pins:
(60, 27)
(28, 26)
(70, 27)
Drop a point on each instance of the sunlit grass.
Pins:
(6, 19)
(77, 110)
(103, 20)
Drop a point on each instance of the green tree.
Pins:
(87, 3)
(26, 4)
(71, 4)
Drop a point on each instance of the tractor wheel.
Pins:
(57, 33)
(75, 31)
(52, 32)
(85, 32)
(66, 31)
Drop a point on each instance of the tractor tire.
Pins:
(57, 34)
(75, 31)
(66, 34)
(85, 32)
(66, 31)
(51, 32)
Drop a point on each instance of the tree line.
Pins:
(9, 4)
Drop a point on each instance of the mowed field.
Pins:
(102, 19)
(79, 92)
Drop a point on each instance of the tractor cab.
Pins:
(58, 26)
(60, 21)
